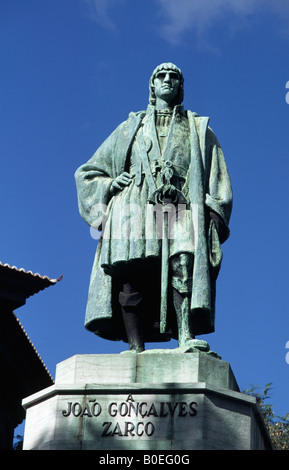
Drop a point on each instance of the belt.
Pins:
(136, 170)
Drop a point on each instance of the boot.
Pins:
(130, 300)
(133, 328)
(186, 337)
(181, 305)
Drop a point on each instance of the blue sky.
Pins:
(71, 71)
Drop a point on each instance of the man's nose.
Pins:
(167, 78)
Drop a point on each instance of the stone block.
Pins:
(147, 367)
(156, 401)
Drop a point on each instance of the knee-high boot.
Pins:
(186, 335)
(181, 305)
(130, 301)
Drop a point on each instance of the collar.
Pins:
(178, 109)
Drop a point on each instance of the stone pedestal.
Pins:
(158, 400)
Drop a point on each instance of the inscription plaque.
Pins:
(130, 418)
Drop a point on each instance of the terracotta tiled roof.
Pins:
(22, 363)
(29, 282)
(18, 325)
(30, 273)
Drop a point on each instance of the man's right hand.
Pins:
(121, 181)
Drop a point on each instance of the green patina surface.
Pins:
(159, 191)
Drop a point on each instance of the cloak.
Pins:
(210, 191)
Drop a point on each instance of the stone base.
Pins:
(148, 401)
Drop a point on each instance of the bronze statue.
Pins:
(158, 189)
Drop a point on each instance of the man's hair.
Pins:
(167, 66)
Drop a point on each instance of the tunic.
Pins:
(134, 227)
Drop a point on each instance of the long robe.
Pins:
(208, 190)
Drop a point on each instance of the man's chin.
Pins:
(167, 95)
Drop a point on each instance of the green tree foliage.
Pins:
(278, 426)
(18, 442)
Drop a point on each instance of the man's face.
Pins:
(166, 85)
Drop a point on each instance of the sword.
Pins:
(165, 272)
(166, 195)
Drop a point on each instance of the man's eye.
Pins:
(162, 75)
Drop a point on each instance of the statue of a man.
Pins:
(158, 189)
